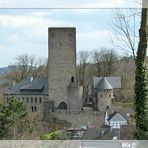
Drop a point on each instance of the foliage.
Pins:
(51, 136)
(141, 98)
(14, 121)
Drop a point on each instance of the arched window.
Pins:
(72, 79)
(63, 105)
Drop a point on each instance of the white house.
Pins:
(115, 120)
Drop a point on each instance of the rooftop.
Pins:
(107, 82)
(37, 86)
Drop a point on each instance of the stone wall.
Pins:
(62, 62)
(88, 118)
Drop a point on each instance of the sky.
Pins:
(25, 31)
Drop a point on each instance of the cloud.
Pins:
(29, 21)
(67, 3)
(93, 40)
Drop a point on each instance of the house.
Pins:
(115, 120)
(31, 92)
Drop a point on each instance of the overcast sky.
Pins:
(26, 30)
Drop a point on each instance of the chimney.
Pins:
(31, 79)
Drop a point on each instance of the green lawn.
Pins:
(51, 136)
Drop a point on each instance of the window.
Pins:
(27, 100)
(35, 100)
(101, 96)
(18, 99)
(31, 100)
(35, 109)
(40, 100)
(72, 79)
(7, 100)
(32, 108)
(23, 99)
(63, 105)
(110, 95)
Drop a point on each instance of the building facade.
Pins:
(31, 92)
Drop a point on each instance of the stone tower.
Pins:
(62, 64)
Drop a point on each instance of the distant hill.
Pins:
(5, 70)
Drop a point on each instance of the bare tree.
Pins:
(105, 61)
(125, 34)
(26, 66)
(83, 75)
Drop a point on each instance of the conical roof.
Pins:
(104, 84)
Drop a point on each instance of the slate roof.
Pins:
(115, 82)
(38, 86)
(111, 116)
(104, 84)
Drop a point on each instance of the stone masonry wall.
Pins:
(88, 118)
(62, 62)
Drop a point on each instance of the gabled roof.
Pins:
(116, 116)
(115, 82)
(104, 84)
(38, 86)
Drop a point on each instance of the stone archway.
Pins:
(63, 106)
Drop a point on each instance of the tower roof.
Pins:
(104, 84)
(115, 82)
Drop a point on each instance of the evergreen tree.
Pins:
(14, 121)
(140, 82)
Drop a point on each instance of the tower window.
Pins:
(72, 79)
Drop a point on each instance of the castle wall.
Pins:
(89, 118)
(62, 62)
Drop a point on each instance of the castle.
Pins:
(60, 90)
